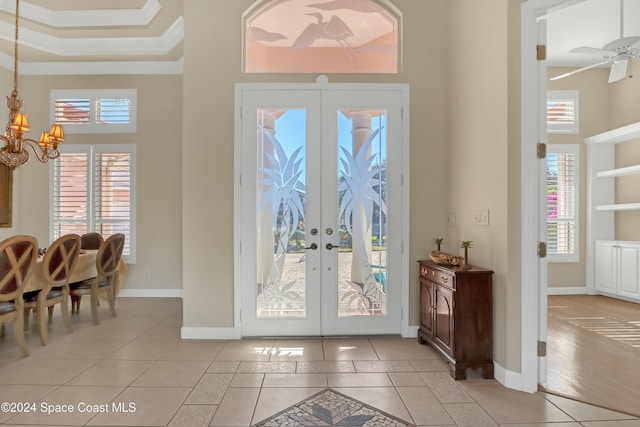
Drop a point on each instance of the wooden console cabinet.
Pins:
(456, 316)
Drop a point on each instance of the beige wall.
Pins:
(481, 78)
(594, 118)
(159, 169)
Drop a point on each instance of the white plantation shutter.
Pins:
(95, 110)
(93, 189)
(562, 111)
(562, 202)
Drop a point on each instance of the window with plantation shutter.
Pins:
(562, 111)
(562, 202)
(93, 189)
(94, 110)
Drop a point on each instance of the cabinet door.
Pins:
(444, 318)
(605, 267)
(628, 276)
(426, 306)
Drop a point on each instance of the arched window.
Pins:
(325, 36)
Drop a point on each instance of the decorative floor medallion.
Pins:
(330, 408)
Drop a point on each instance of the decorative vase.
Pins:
(465, 262)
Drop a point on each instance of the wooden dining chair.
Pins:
(91, 240)
(57, 266)
(18, 255)
(107, 261)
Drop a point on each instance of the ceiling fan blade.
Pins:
(588, 67)
(592, 51)
(618, 70)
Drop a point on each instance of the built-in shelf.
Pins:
(629, 170)
(621, 134)
(619, 207)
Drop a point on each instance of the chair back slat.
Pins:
(109, 255)
(60, 259)
(18, 255)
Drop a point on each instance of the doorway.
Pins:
(322, 208)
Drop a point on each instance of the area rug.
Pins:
(331, 408)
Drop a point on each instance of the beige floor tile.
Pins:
(383, 366)
(46, 372)
(385, 399)
(78, 349)
(236, 408)
(154, 406)
(112, 373)
(295, 380)
(406, 379)
(249, 350)
(267, 367)
(521, 407)
(297, 350)
(70, 405)
(583, 412)
(194, 351)
(469, 415)
(247, 380)
(424, 406)
(622, 423)
(428, 365)
(272, 401)
(570, 424)
(359, 380)
(193, 416)
(161, 333)
(347, 349)
(209, 390)
(445, 387)
(117, 329)
(142, 350)
(21, 393)
(321, 367)
(169, 373)
(401, 349)
(223, 367)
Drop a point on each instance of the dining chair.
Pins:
(91, 240)
(107, 261)
(18, 255)
(57, 266)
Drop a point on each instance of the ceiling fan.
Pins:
(616, 53)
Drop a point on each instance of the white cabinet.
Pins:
(617, 269)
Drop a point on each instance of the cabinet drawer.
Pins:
(442, 277)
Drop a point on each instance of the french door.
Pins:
(321, 210)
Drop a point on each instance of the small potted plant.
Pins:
(439, 241)
(466, 244)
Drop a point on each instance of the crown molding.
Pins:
(98, 46)
(85, 17)
(94, 68)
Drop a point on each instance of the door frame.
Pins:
(533, 281)
(322, 83)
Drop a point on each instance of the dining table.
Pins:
(85, 268)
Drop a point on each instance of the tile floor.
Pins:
(134, 370)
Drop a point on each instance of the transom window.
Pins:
(94, 110)
(339, 36)
(562, 111)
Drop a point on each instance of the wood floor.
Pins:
(593, 351)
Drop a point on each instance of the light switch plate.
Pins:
(481, 217)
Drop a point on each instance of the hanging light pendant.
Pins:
(14, 153)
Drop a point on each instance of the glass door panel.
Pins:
(362, 193)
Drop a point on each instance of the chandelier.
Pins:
(14, 153)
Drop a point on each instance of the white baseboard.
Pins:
(411, 332)
(206, 333)
(571, 290)
(150, 293)
(509, 379)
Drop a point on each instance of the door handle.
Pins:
(330, 246)
(313, 247)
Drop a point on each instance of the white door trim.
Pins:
(531, 109)
(322, 83)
